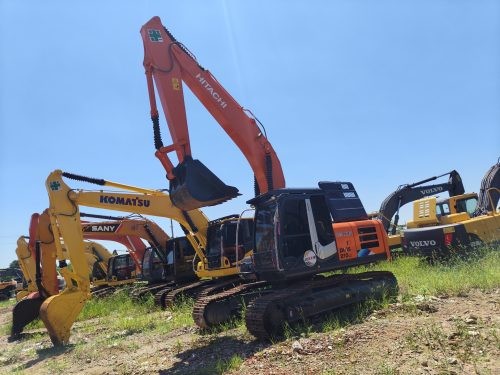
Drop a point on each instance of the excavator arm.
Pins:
(27, 260)
(143, 201)
(410, 192)
(38, 260)
(168, 64)
(59, 311)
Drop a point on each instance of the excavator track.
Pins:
(266, 316)
(159, 296)
(214, 307)
(193, 290)
(140, 293)
(103, 292)
(168, 296)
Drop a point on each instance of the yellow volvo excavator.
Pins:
(442, 226)
(406, 193)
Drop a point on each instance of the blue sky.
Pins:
(376, 93)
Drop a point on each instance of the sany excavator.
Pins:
(298, 233)
(407, 193)
(166, 260)
(455, 224)
(59, 312)
(38, 268)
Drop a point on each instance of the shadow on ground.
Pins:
(45, 353)
(221, 354)
(214, 356)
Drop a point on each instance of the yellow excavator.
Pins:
(10, 280)
(26, 259)
(388, 212)
(461, 222)
(42, 279)
(58, 312)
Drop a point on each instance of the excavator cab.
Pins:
(182, 253)
(195, 186)
(121, 268)
(306, 231)
(153, 266)
(173, 264)
(224, 250)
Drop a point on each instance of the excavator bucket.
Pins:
(59, 312)
(195, 186)
(24, 312)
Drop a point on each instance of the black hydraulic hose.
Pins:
(156, 248)
(256, 186)
(429, 179)
(269, 172)
(104, 217)
(38, 272)
(190, 222)
(156, 132)
(95, 181)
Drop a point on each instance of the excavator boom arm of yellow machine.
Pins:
(59, 311)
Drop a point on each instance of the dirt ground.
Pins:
(433, 335)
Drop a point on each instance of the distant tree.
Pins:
(14, 264)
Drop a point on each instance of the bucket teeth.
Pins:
(195, 186)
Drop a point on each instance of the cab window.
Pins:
(296, 236)
(322, 219)
(467, 205)
(439, 210)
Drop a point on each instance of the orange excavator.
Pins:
(298, 233)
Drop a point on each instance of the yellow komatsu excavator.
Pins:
(58, 312)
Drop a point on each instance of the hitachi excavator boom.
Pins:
(169, 64)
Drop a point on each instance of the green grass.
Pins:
(221, 366)
(457, 276)
(8, 303)
(226, 365)
(119, 313)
